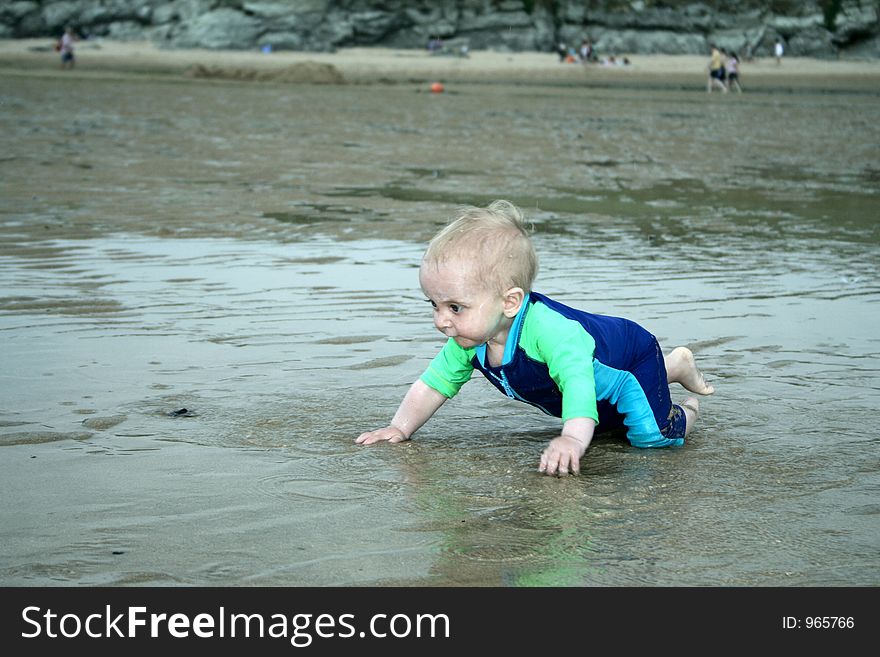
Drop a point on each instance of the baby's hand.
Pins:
(563, 455)
(391, 434)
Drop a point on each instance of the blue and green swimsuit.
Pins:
(570, 363)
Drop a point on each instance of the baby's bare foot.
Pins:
(681, 368)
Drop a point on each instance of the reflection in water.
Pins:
(269, 286)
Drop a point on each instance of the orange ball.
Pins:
(437, 88)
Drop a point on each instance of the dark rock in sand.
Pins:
(305, 72)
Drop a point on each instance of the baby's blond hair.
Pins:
(494, 240)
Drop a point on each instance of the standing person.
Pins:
(778, 50)
(65, 47)
(732, 68)
(586, 369)
(716, 71)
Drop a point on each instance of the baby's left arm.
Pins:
(563, 454)
(568, 351)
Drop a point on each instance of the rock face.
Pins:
(817, 28)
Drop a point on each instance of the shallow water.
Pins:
(249, 252)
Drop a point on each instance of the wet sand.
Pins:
(248, 251)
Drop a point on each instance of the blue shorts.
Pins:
(676, 423)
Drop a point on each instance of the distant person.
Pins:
(585, 369)
(586, 52)
(716, 71)
(732, 69)
(562, 51)
(65, 47)
(778, 51)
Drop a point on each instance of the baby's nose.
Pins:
(442, 320)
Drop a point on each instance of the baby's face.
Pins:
(465, 308)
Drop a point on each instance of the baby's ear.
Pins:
(513, 300)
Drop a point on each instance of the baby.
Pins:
(590, 370)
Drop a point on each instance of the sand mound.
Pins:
(304, 72)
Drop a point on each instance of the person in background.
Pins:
(732, 69)
(65, 47)
(586, 51)
(716, 71)
(562, 51)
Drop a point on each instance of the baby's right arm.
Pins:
(417, 407)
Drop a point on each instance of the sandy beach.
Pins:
(370, 65)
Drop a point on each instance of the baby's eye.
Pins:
(433, 305)
(454, 307)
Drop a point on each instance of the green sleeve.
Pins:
(567, 349)
(450, 369)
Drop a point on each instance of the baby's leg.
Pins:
(691, 408)
(681, 368)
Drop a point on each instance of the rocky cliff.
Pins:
(817, 28)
